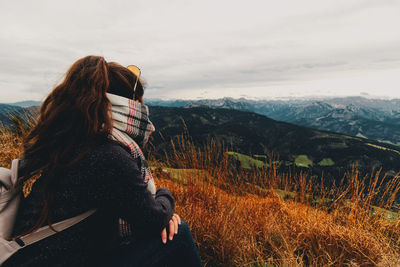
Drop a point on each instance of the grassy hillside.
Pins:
(262, 217)
(247, 217)
(7, 112)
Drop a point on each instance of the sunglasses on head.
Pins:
(135, 70)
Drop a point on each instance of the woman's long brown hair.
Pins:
(75, 114)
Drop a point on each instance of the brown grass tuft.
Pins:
(10, 146)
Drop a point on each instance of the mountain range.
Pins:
(375, 119)
(25, 104)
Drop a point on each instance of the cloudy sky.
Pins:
(208, 48)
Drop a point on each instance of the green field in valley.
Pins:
(326, 162)
(248, 162)
(303, 161)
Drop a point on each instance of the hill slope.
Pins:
(6, 111)
(251, 133)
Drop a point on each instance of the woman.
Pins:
(90, 158)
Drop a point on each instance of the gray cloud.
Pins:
(208, 48)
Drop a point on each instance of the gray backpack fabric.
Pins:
(9, 199)
(9, 202)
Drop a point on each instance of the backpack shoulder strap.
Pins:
(46, 231)
(9, 248)
(14, 171)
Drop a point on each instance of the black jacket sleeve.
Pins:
(124, 193)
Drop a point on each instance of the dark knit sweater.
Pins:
(108, 179)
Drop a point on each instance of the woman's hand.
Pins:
(173, 228)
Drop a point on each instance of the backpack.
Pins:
(9, 202)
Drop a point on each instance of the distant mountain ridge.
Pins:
(357, 116)
(25, 104)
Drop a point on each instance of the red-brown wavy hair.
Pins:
(76, 113)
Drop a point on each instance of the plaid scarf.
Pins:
(132, 128)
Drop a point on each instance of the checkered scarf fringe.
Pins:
(132, 128)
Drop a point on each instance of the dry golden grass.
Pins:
(236, 230)
(237, 219)
(10, 146)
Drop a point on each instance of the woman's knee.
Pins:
(183, 227)
(184, 230)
